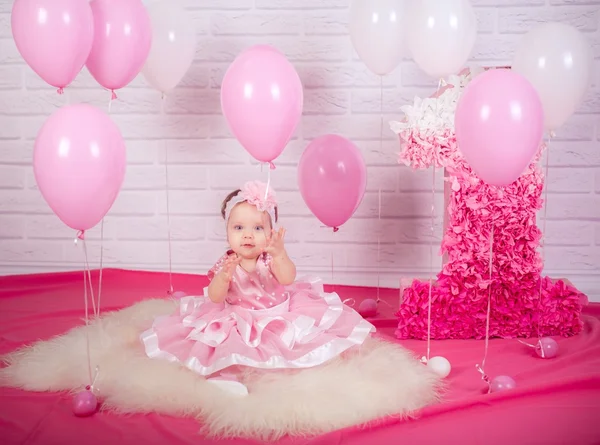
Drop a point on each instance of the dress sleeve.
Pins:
(217, 267)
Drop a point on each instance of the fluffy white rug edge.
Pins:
(370, 383)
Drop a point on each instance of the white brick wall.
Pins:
(206, 162)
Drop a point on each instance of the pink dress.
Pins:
(261, 324)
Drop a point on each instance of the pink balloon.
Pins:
(262, 100)
(54, 37)
(546, 347)
(499, 125)
(122, 41)
(332, 177)
(368, 308)
(85, 403)
(79, 164)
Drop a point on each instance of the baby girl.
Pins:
(254, 313)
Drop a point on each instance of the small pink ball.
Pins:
(502, 383)
(85, 403)
(547, 347)
(179, 294)
(368, 308)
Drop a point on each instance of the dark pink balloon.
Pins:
(85, 403)
(368, 308)
(332, 177)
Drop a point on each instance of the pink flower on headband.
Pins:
(253, 192)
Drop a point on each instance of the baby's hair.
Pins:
(230, 197)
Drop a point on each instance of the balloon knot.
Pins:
(113, 95)
(484, 376)
(81, 235)
(335, 229)
(61, 90)
(271, 166)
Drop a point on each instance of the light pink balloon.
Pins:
(499, 124)
(79, 163)
(54, 37)
(262, 100)
(332, 177)
(122, 41)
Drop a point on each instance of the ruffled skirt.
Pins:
(308, 329)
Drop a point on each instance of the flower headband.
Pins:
(257, 193)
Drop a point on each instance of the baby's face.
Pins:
(247, 230)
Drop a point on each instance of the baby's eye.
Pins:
(259, 228)
(237, 227)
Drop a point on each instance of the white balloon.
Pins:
(376, 31)
(557, 60)
(173, 45)
(440, 365)
(440, 35)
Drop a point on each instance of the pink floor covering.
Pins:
(557, 401)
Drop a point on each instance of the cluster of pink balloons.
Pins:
(79, 154)
(502, 114)
(262, 100)
(58, 37)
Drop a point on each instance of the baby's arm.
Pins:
(219, 285)
(283, 268)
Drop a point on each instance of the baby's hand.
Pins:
(275, 243)
(229, 267)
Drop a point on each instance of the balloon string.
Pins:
(430, 296)
(162, 110)
(86, 278)
(89, 275)
(101, 265)
(331, 254)
(432, 229)
(481, 368)
(349, 302)
(379, 190)
(538, 345)
(379, 245)
(268, 184)
(102, 245)
(543, 235)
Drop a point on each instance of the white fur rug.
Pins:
(380, 379)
